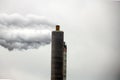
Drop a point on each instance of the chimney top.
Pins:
(57, 27)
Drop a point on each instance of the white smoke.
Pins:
(24, 32)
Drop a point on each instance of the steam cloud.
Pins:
(24, 32)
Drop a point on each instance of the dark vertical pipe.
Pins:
(57, 54)
(64, 61)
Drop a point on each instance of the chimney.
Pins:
(57, 60)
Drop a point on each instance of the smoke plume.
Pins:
(24, 32)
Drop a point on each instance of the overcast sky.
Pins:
(91, 33)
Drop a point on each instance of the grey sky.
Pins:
(90, 28)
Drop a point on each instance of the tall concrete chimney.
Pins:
(57, 62)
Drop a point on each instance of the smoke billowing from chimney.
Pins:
(24, 32)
